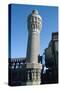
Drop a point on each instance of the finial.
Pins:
(35, 12)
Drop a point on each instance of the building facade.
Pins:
(16, 73)
(51, 53)
(51, 61)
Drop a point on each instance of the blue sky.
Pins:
(19, 30)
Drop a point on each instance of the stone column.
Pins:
(32, 73)
(28, 76)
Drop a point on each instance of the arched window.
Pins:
(36, 19)
(32, 19)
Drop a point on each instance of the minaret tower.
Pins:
(32, 65)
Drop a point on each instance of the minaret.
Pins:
(34, 28)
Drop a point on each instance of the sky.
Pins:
(19, 30)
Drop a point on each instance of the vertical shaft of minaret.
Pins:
(34, 28)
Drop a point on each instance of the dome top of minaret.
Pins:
(35, 12)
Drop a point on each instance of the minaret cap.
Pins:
(35, 12)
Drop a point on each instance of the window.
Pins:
(32, 26)
(13, 63)
(17, 63)
(17, 66)
(12, 67)
(38, 19)
(35, 18)
(32, 19)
